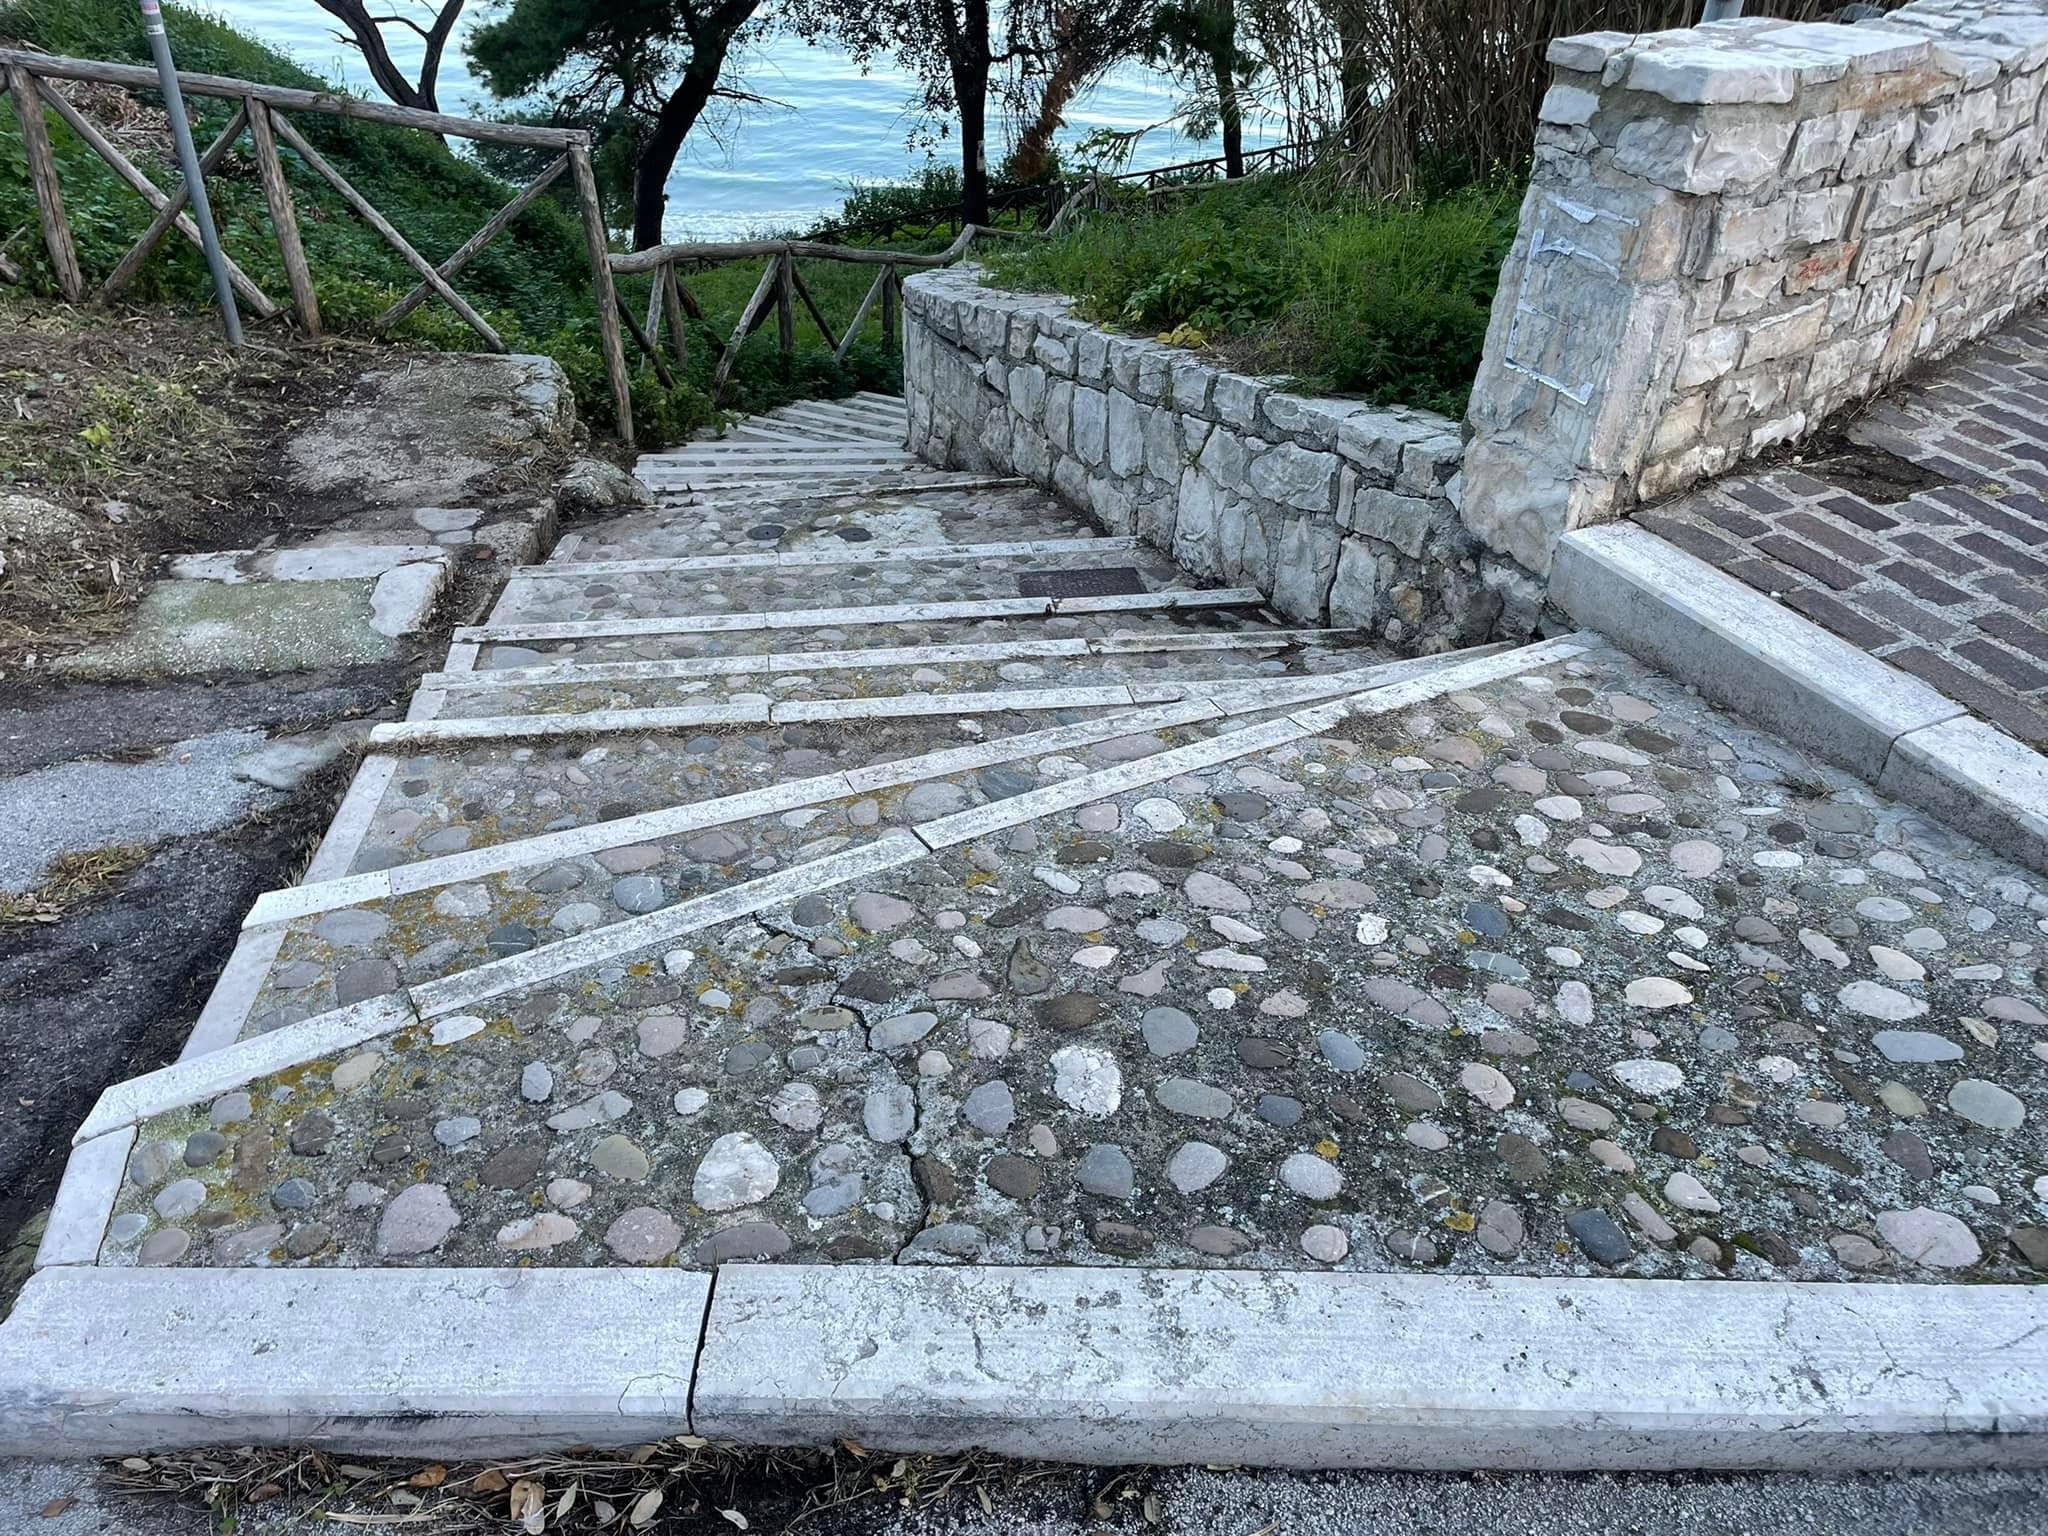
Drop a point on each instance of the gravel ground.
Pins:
(1208, 1503)
(188, 788)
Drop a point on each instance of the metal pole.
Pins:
(1720, 10)
(188, 162)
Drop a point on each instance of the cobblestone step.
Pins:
(549, 595)
(893, 671)
(1523, 974)
(852, 520)
(1192, 626)
(862, 615)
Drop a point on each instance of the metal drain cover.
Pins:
(1100, 581)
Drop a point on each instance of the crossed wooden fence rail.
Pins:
(669, 296)
(260, 110)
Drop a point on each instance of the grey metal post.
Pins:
(188, 162)
(1720, 10)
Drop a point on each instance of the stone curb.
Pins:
(1242, 1367)
(1788, 674)
(1978, 779)
(410, 1362)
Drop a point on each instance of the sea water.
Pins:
(754, 169)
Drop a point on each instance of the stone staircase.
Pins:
(854, 865)
(766, 641)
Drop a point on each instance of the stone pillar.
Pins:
(1734, 229)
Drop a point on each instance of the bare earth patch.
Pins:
(124, 436)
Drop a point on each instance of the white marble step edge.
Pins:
(1103, 1365)
(774, 453)
(765, 499)
(402, 1361)
(845, 554)
(1238, 694)
(876, 657)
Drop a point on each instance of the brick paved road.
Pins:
(1949, 582)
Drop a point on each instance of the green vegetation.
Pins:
(1388, 300)
(532, 283)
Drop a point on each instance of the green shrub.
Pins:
(1389, 301)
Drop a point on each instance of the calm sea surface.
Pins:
(766, 167)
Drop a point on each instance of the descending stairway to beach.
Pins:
(807, 570)
(848, 862)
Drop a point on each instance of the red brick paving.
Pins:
(1950, 583)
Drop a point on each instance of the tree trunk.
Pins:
(970, 66)
(974, 156)
(366, 31)
(1034, 145)
(1354, 74)
(1229, 114)
(658, 154)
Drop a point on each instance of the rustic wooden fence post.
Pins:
(657, 296)
(599, 245)
(678, 323)
(284, 219)
(42, 173)
(785, 306)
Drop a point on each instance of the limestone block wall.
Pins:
(1735, 229)
(1341, 513)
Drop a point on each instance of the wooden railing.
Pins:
(1044, 201)
(1257, 162)
(260, 111)
(670, 297)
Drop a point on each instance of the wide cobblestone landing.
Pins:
(1565, 973)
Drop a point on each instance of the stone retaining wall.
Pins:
(1341, 513)
(1737, 228)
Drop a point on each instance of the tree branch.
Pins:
(367, 33)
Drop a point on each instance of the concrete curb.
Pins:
(1409, 1370)
(1788, 674)
(1096, 1365)
(414, 1362)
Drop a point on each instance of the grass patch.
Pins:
(70, 879)
(1388, 301)
(532, 283)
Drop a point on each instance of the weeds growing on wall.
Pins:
(532, 283)
(1386, 300)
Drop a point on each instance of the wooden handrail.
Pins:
(52, 66)
(812, 250)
